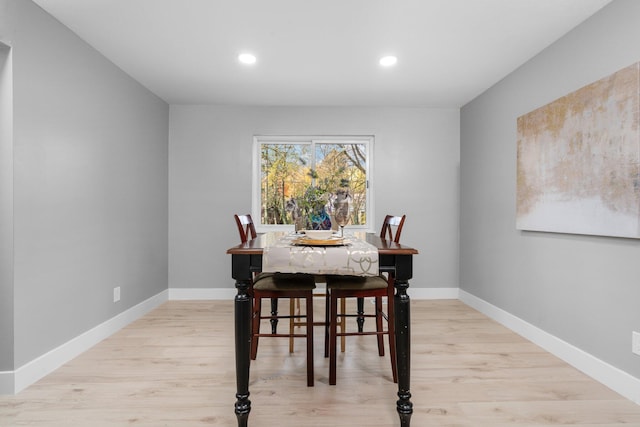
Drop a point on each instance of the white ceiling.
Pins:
(320, 52)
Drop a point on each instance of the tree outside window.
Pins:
(292, 168)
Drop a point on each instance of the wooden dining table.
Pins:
(393, 258)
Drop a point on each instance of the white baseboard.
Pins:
(13, 382)
(614, 378)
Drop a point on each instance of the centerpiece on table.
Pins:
(312, 206)
(312, 209)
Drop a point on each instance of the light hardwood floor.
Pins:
(175, 367)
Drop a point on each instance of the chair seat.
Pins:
(356, 283)
(284, 282)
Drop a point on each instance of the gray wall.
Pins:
(415, 173)
(582, 289)
(90, 184)
(6, 210)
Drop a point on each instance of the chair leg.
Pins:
(274, 312)
(379, 326)
(309, 317)
(292, 310)
(343, 323)
(360, 312)
(333, 328)
(255, 326)
(327, 303)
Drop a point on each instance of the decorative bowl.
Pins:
(318, 234)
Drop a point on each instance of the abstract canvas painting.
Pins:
(578, 160)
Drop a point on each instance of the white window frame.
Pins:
(259, 140)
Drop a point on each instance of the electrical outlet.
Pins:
(116, 294)
(635, 343)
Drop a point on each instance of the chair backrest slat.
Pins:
(389, 224)
(246, 228)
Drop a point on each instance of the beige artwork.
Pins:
(578, 161)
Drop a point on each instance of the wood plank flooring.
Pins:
(176, 367)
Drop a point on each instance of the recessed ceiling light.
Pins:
(388, 61)
(247, 58)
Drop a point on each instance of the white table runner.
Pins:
(356, 257)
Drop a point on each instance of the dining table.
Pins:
(393, 258)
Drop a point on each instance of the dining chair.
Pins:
(289, 285)
(362, 287)
(275, 286)
(247, 231)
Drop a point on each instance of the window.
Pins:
(286, 167)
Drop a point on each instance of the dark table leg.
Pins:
(243, 346)
(403, 350)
